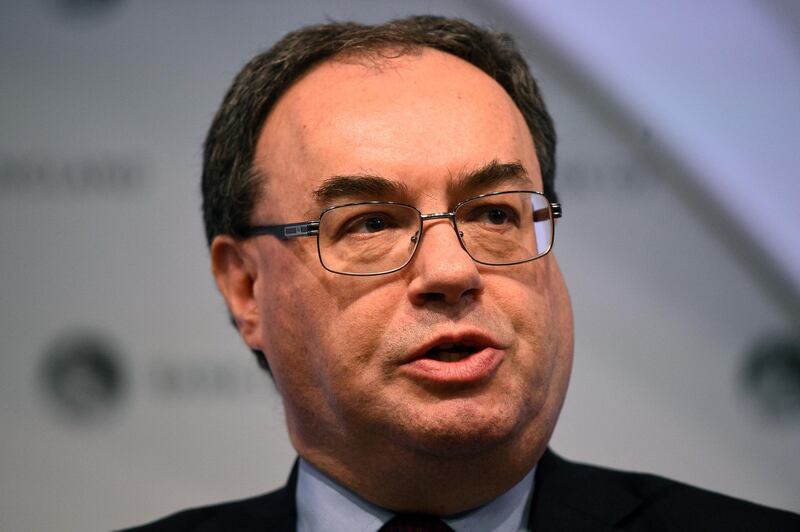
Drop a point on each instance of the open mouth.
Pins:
(451, 352)
(455, 360)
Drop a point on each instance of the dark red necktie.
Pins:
(415, 523)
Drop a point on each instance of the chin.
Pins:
(462, 428)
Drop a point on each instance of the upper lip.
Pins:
(477, 339)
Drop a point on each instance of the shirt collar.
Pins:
(324, 504)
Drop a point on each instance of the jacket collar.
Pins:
(566, 496)
(569, 496)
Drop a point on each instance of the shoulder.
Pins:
(637, 501)
(271, 511)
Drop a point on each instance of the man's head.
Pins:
(447, 366)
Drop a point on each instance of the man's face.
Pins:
(361, 362)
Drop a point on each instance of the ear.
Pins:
(236, 272)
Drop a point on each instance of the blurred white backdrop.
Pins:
(127, 395)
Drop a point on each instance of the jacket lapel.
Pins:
(569, 496)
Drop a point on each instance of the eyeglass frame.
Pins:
(311, 228)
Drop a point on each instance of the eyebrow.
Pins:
(491, 175)
(357, 187)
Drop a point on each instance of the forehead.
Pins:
(419, 119)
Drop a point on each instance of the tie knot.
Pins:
(415, 523)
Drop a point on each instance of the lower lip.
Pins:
(476, 368)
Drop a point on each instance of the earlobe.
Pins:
(235, 273)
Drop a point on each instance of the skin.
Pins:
(337, 345)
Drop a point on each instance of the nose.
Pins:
(441, 270)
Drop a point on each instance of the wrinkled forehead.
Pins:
(422, 120)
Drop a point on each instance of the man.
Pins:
(380, 211)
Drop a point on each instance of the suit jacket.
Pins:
(566, 497)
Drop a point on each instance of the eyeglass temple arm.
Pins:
(284, 232)
(541, 215)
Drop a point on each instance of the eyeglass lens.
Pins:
(496, 229)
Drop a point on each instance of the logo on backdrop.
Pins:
(45, 176)
(83, 377)
(771, 376)
(86, 8)
(586, 178)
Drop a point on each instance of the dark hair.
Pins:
(230, 184)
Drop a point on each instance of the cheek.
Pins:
(323, 329)
(555, 337)
(524, 295)
(534, 300)
(286, 293)
(363, 311)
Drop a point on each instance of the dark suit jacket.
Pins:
(566, 497)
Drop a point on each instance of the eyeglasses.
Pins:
(379, 237)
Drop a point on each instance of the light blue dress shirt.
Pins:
(325, 505)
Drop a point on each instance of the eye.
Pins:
(368, 223)
(496, 215)
(372, 225)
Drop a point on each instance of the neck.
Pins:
(410, 480)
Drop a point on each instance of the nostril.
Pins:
(433, 297)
